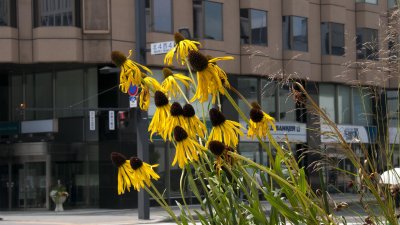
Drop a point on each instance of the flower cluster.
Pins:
(178, 124)
(59, 191)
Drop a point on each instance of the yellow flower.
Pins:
(208, 76)
(148, 83)
(194, 125)
(221, 74)
(182, 47)
(187, 149)
(130, 72)
(170, 83)
(144, 98)
(175, 119)
(259, 122)
(160, 115)
(125, 178)
(223, 130)
(142, 173)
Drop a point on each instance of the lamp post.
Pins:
(141, 116)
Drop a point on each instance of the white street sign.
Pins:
(132, 101)
(111, 120)
(161, 47)
(92, 120)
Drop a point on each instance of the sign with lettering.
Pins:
(294, 132)
(133, 102)
(161, 47)
(350, 133)
(92, 120)
(111, 120)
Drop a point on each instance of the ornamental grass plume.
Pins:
(187, 149)
(175, 119)
(142, 173)
(259, 122)
(208, 76)
(224, 130)
(170, 83)
(157, 124)
(196, 127)
(125, 178)
(181, 48)
(130, 72)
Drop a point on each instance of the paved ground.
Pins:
(126, 216)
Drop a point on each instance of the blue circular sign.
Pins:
(133, 90)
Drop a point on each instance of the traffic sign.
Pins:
(133, 90)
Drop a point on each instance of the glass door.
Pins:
(31, 184)
(5, 186)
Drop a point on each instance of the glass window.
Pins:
(16, 97)
(287, 106)
(343, 101)
(332, 38)
(253, 27)
(57, 13)
(69, 93)
(362, 107)
(295, 33)
(211, 14)
(368, 1)
(392, 101)
(391, 3)
(367, 43)
(268, 96)
(8, 13)
(38, 87)
(248, 88)
(327, 99)
(159, 15)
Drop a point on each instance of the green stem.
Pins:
(183, 94)
(183, 195)
(165, 207)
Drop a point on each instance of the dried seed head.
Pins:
(198, 61)
(160, 99)
(180, 134)
(188, 111)
(176, 109)
(216, 117)
(117, 159)
(216, 147)
(136, 163)
(118, 58)
(256, 115)
(167, 72)
(256, 105)
(178, 37)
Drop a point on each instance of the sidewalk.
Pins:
(110, 216)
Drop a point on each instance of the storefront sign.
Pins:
(39, 126)
(294, 132)
(161, 47)
(111, 120)
(9, 128)
(350, 133)
(92, 120)
(394, 135)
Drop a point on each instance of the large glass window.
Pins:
(268, 96)
(56, 13)
(253, 27)
(391, 3)
(368, 1)
(332, 38)
(362, 107)
(287, 105)
(69, 93)
(367, 43)
(327, 99)
(295, 33)
(344, 107)
(207, 20)
(392, 99)
(8, 13)
(38, 87)
(159, 15)
(248, 88)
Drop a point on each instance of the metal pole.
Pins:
(141, 116)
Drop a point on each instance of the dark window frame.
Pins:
(366, 47)
(12, 15)
(76, 15)
(329, 48)
(200, 32)
(248, 17)
(288, 40)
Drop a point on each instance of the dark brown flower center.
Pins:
(209, 57)
(118, 58)
(136, 163)
(167, 72)
(198, 61)
(216, 117)
(188, 111)
(176, 109)
(255, 105)
(160, 99)
(117, 159)
(180, 134)
(178, 37)
(256, 115)
(216, 147)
